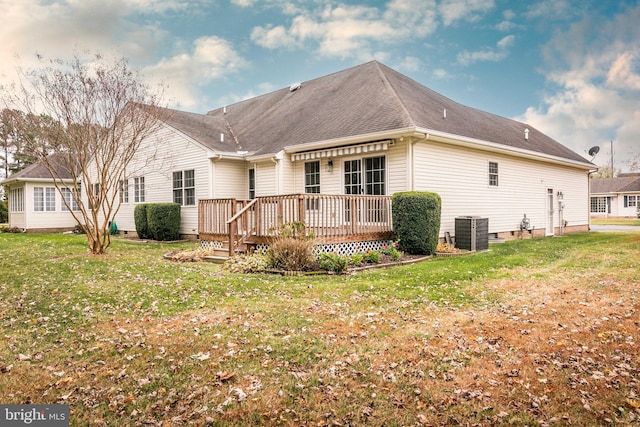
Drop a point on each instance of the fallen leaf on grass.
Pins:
(224, 376)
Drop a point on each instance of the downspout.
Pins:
(412, 166)
(276, 161)
(212, 187)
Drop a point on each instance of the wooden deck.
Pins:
(329, 218)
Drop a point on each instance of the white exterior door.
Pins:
(550, 212)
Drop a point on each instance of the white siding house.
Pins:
(367, 130)
(616, 197)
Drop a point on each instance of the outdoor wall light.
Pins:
(560, 195)
(330, 165)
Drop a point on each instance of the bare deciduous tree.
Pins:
(95, 115)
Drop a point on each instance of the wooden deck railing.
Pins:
(330, 218)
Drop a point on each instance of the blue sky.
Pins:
(570, 68)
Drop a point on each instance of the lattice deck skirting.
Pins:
(348, 248)
(211, 244)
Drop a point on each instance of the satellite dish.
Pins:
(593, 151)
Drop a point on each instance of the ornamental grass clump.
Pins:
(292, 249)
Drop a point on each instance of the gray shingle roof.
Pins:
(369, 98)
(39, 171)
(203, 128)
(621, 184)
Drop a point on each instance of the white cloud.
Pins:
(595, 70)
(243, 3)
(212, 59)
(500, 52)
(352, 30)
(463, 10)
(553, 9)
(61, 29)
(441, 74)
(410, 63)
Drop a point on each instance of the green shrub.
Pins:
(4, 211)
(357, 259)
(392, 252)
(140, 219)
(163, 220)
(416, 221)
(372, 257)
(333, 262)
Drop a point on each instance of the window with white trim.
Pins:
(493, 174)
(631, 201)
(44, 199)
(123, 188)
(67, 195)
(94, 197)
(599, 205)
(374, 169)
(138, 189)
(16, 200)
(252, 183)
(184, 187)
(312, 182)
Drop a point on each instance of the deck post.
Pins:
(233, 230)
(301, 202)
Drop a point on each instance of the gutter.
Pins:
(12, 180)
(242, 155)
(464, 141)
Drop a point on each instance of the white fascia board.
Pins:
(44, 180)
(265, 157)
(350, 140)
(218, 155)
(464, 141)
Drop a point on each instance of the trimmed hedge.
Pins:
(140, 219)
(163, 220)
(416, 221)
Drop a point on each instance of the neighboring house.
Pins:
(365, 131)
(34, 203)
(616, 197)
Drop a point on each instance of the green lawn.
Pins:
(615, 221)
(536, 331)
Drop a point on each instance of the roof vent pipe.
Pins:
(222, 137)
(444, 113)
(224, 110)
(526, 134)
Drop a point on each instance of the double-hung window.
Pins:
(16, 200)
(138, 189)
(312, 182)
(44, 199)
(631, 201)
(184, 187)
(124, 190)
(599, 205)
(493, 174)
(67, 195)
(252, 183)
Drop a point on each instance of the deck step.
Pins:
(216, 259)
(221, 252)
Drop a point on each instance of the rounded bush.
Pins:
(416, 221)
(163, 220)
(140, 219)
